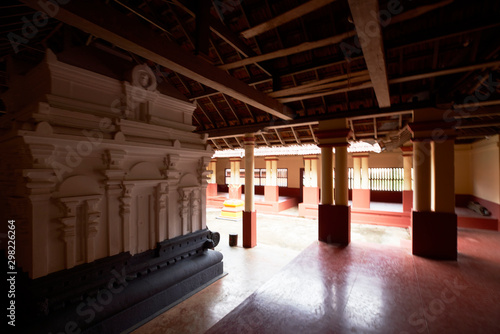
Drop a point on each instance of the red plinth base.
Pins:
(271, 193)
(334, 223)
(407, 200)
(249, 229)
(310, 195)
(434, 235)
(361, 198)
(212, 189)
(234, 191)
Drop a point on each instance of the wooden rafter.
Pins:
(218, 111)
(289, 51)
(206, 114)
(227, 143)
(297, 139)
(93, 17)
(232, 107)
(395, 80)
(288, 16)
(279, 137)
(413, 13)
(265, 139)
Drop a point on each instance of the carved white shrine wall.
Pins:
(92, 166)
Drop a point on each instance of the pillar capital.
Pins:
(248, 139)
(334, 137)
(237, 159)
(271, 158)
(407, 150)
(360, 155)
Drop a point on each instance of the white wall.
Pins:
(485, 159)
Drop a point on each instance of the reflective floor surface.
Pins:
(374, 285)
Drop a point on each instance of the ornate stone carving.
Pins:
(189, 208)
(203, 172)
(41, 154)
(125, 201)
(113, 159)
(162, 211)
(170, 167)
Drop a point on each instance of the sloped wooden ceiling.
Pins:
(277, 67)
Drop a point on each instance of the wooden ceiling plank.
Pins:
(372, 46)
(93, 17)
(288, 16)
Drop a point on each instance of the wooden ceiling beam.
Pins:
(393, 81)
(93, 17)
(291, 15)
(289, 51)
(372, 46)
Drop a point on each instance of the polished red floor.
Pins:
(367, 288)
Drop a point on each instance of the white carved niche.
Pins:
(80, 224)
(79, 197)
(189, 204)
(144, 208)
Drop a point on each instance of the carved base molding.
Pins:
(113, 294)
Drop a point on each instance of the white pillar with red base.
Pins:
(271, 190)
(212, 181)
(361, 190)
(249, 215)
(310, 189)
(407, 184)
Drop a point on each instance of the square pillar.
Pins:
(334, 221)
(361, 190)
(235, 186)
(249, 215)
(434, 222)
(407, 183)
(271, 190)
(212, 181)
(310, 190)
